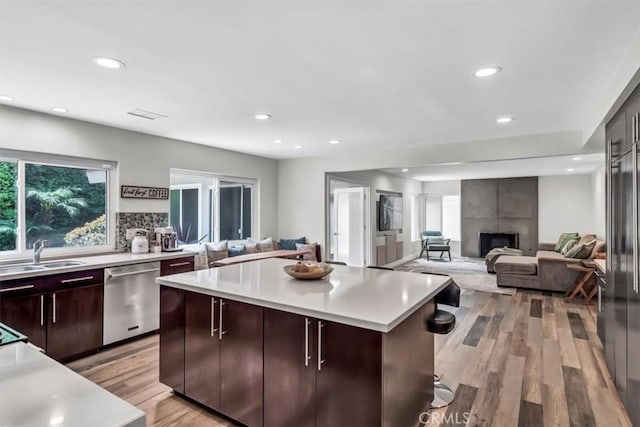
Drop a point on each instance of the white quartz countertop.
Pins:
(96, 261)
(363, 297)
(35, 390)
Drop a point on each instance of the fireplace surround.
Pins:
(490, 240)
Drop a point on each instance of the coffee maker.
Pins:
(168, 239)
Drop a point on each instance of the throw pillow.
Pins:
(586, 238)
(265, 245)
(237, 250)
(581, 251)
(251, 246)
(567, 247)
(290, 244)
(216, 251)
(564, 238)
(599, 247)
(310, 251)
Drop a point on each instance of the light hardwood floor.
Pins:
(531, 359)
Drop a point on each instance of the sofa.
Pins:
(546, 271)
(209, 253)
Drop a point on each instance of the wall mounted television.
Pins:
(390, 213)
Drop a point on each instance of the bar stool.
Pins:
(443, 322)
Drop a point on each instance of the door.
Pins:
(236, 202)
(241, 348)
(346, 349)
(349, 217)
(633, 307)
(26, 314)
(75, 321)
(623, 270)
(289, 370)
(202, 350)
(172, 326)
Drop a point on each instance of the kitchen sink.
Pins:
(59, 264)
(19, 269)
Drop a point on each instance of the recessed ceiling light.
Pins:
(505, 119)
(59, 109)
(569, 170)
(6, 98)
(487, 71)
(334, 141)
(107, 62)
(577, 158)
(405, 170)
(278, 141)
(262, 116)
(297, 147)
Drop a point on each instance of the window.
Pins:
(451, 217)
(63, 201)
(208, 207)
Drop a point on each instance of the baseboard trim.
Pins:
(401, 261)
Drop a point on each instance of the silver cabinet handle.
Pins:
(221, 331)
(41, 310)
(599, 299)
(17, 288)
(635, 216)
(77, 279)
(213, 317)
(307, 357)
(54, 308)
(180, 264)
(320, 359)
(132, 273)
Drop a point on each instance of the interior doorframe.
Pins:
(367, 215)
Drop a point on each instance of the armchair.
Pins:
(434, 241)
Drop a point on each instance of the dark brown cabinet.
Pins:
(241, 345)
(61, 313)
(316, 371)
(172, 333)
(75, 324)
(177, 265)
(202, 350)
(23, 308)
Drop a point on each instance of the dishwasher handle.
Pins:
(110, 274)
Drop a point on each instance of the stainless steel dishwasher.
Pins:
(131, 301)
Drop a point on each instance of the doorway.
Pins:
(348, 223)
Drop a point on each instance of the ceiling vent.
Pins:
(149, 115)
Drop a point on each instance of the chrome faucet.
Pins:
(38, 247)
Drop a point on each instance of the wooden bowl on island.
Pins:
(308, 270)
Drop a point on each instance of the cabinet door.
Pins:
(349, 376)
(176, 266)
(172, 328)
(26, 314)
(75, 321)
(202, 350)
(289, 370)
(241, 354)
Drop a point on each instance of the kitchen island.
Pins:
(262, 348)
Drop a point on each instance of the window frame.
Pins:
(182, 187)
(22, 158)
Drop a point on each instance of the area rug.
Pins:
(468, 273)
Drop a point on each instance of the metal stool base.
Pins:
(442, 394)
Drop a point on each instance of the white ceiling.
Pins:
(540, 166)
(376, 74)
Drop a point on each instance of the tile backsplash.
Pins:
(146, 220)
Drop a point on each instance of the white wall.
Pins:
(565, 204)
(142, 159)
(441, 188)
(301, 182)
(380, 181)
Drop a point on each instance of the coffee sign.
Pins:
(136, 192)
